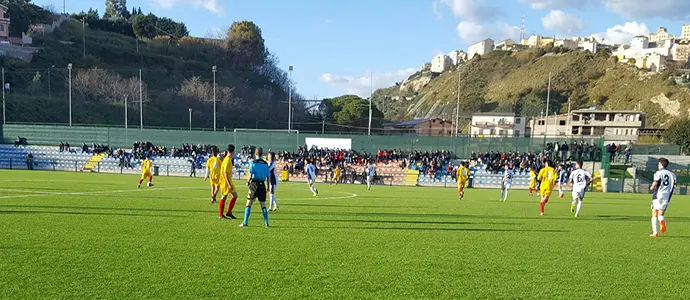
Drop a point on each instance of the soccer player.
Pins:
(507, 183)
(532, 181)
(664, 184)
(336, 172)
(146, 165)
(562, 179)
(462, 176)
(311, 177)
(272, 181)
(580, 179)
(371, 172)
(547, 177)
(213, 166)
(258, 173)
(226, 185)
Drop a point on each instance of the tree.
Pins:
(679, 133)
(116, 9)
(350, 110)
(150, 26)
(246, 44)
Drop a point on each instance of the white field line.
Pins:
(98, 192)
(348, 196)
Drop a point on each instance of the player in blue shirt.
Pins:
(258, 174)
(311, 177)
(507, 183)
(371, 172)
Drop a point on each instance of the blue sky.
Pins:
(335, 45)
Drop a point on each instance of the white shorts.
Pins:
(578, 194)
(659, 204)
(369, 179)
(506, 186)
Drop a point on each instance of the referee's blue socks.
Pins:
(247, 212)
(265, 213)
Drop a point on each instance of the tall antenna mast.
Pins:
(522, 29)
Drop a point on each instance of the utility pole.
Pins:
(4, 120)
(190, 119)
(548, 99)
(69, 68)
(371, 97)
(83, 32)
(214, 69)
(290, 99)
(141, 103)
(126, 111)
(457, 105)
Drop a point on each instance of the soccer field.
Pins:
(78, 235)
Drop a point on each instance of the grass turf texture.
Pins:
(73, 235)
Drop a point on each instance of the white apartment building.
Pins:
(505, 45)
(426, 67)
(441, 63)
(685, 32)
(654, 59)
(565, 43)
(681, 50)
(498, 125)
(587, 44)
(613, 125)
(457, 57)
(660, 35)
(482, 47)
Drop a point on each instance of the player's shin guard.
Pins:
(141, 180)
(654, 230)
(231, 206)
(247, 212)
(579, 207)
(542, 204)
(264, 212)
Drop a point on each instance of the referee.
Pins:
(258, 173)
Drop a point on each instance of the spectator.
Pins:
(29, 161)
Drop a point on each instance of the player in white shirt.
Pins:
(580, 180)
(311, 177)
(272, 182)
(506, 183)
(664, 184)
(371, 172)
(562, 179)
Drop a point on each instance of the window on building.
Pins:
(541, 122)
(517, 132)
(575, 130)
(576, 118)
(517, 120)
(492, 132)
(561, 123)
(587, 131)
(2, 28)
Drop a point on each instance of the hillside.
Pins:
(176, 76)
(518, 82)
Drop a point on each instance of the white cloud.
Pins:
(675, 9)
(473, 10)
(555, 4)
(562, 23)
(471, 31)
(622, 34)
(361, 86)
(211, 5)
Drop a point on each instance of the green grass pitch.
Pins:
(85, 236)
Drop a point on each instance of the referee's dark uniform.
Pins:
(259, 173)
